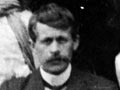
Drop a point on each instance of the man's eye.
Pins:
(47, 41)
(62, 40)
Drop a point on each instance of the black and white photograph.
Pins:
(59, 44)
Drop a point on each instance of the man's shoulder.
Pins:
(82, 80)
(95, 81)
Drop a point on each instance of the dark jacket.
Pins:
(78, 81)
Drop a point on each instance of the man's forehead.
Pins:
(47, 31)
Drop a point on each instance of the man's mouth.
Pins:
(57, 61)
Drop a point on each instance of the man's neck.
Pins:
(56, 80)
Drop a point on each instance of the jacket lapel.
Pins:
(35, 82)
(76, 82)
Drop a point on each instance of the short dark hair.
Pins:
(54, 16)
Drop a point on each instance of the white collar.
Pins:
(56, 80)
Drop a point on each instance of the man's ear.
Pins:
(76, 43)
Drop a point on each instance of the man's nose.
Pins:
(55, 49)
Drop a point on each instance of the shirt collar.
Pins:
(56, 80)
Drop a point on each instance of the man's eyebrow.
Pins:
(47, 39)
(61, 37)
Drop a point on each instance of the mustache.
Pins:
(58, 58)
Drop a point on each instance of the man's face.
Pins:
(53, 48)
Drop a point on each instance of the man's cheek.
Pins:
(66, 52)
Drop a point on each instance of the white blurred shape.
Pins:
(11, 58)
(82, 7)
(117, 67)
